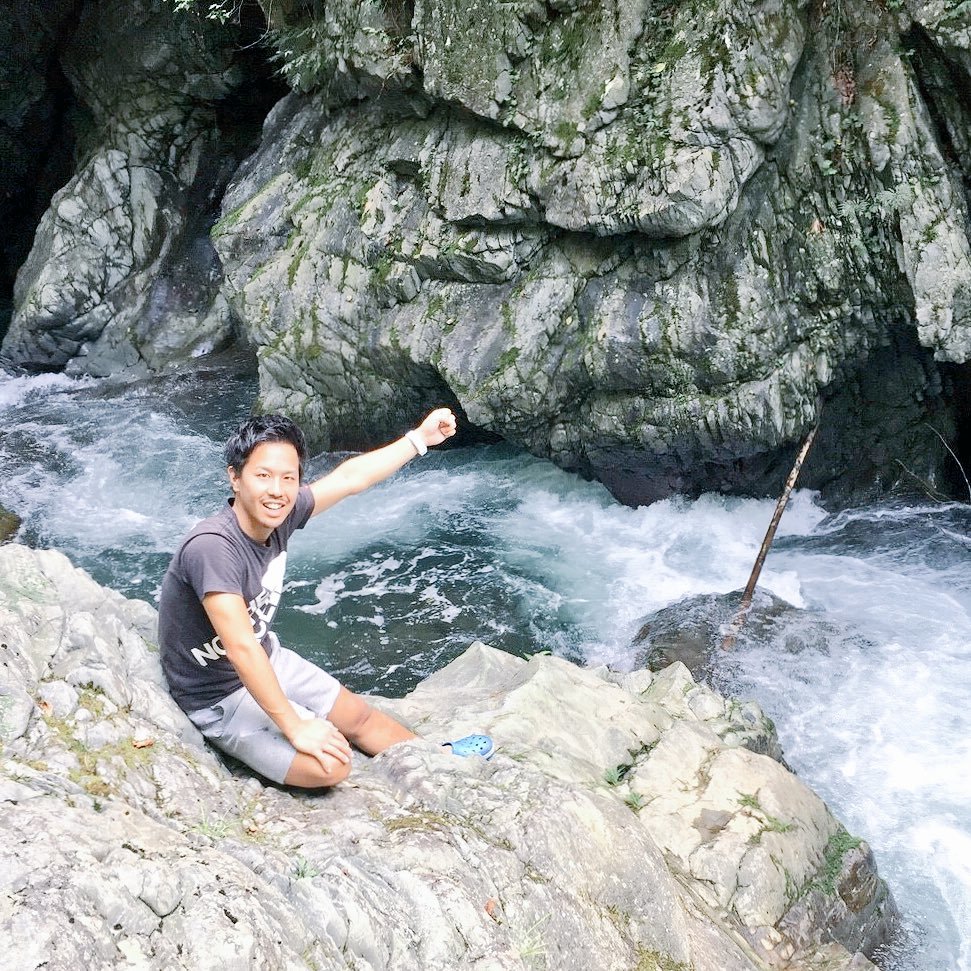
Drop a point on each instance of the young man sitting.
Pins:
(251, 697)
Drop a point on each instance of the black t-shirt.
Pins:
(218, 557)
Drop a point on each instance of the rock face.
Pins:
(114, 279)
(9, 524)
(627, 821)
(645, 240)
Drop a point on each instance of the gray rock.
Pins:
(646, 241)
(651, 268)
(95, 292)
(61, 696)
(9, 524)
(621, 824)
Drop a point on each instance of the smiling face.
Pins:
(266, 488)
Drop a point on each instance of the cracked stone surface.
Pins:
(647, 241)
(625, 821)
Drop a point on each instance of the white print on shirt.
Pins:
(262, 609)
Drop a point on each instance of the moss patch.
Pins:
(839, 844)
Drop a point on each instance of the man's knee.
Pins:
(307, 772)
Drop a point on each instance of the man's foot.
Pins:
(481, 745)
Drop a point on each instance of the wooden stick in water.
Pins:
(739, 619)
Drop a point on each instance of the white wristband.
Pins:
(420, 447)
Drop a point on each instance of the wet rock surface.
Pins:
(121, 275)
(624, 822)
(9, 524)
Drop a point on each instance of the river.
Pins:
(868, 678)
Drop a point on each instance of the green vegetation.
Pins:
(508, 318)
(221, 11)
(227, 222)
(214, 827)
(839, 844)
(310, 52)
(566, 131)
(656, 961)
(85, 773)
(295, 262)
(563, 41)
(635, 801)
(507, 358)
(531, 944)
(303, 869)
(436, 304)
(769, 823)
(615, 776)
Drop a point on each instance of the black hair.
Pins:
(257, 431)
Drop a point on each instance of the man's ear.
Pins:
(233, 477)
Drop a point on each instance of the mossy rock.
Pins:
(9, 524)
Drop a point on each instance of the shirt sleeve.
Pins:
(300, 514)
(210, 566)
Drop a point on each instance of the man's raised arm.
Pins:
(363, 471)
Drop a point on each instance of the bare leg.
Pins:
(369, 729)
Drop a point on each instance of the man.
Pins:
(251, 697)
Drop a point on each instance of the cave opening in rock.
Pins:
(957, 379)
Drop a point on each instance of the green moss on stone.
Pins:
(507, 358)
(839, 844)
(227, 222)
(648, 960)
(295, 262)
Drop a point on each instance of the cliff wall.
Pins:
(651, 241)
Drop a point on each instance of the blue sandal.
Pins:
(481, 745)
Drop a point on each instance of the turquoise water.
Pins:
(868, 677)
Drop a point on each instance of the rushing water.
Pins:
(868, 679)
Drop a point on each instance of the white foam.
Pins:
(17, 390)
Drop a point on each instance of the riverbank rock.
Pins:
(625, 822)
(9, 524)
(693, 630)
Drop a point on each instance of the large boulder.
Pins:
(645, 240)
(121, 274)
(627, 821)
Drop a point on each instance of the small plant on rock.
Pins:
(303, 869)
(215, 827)
(635, 800)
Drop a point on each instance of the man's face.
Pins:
(266, 488)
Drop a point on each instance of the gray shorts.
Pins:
(239, 727)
